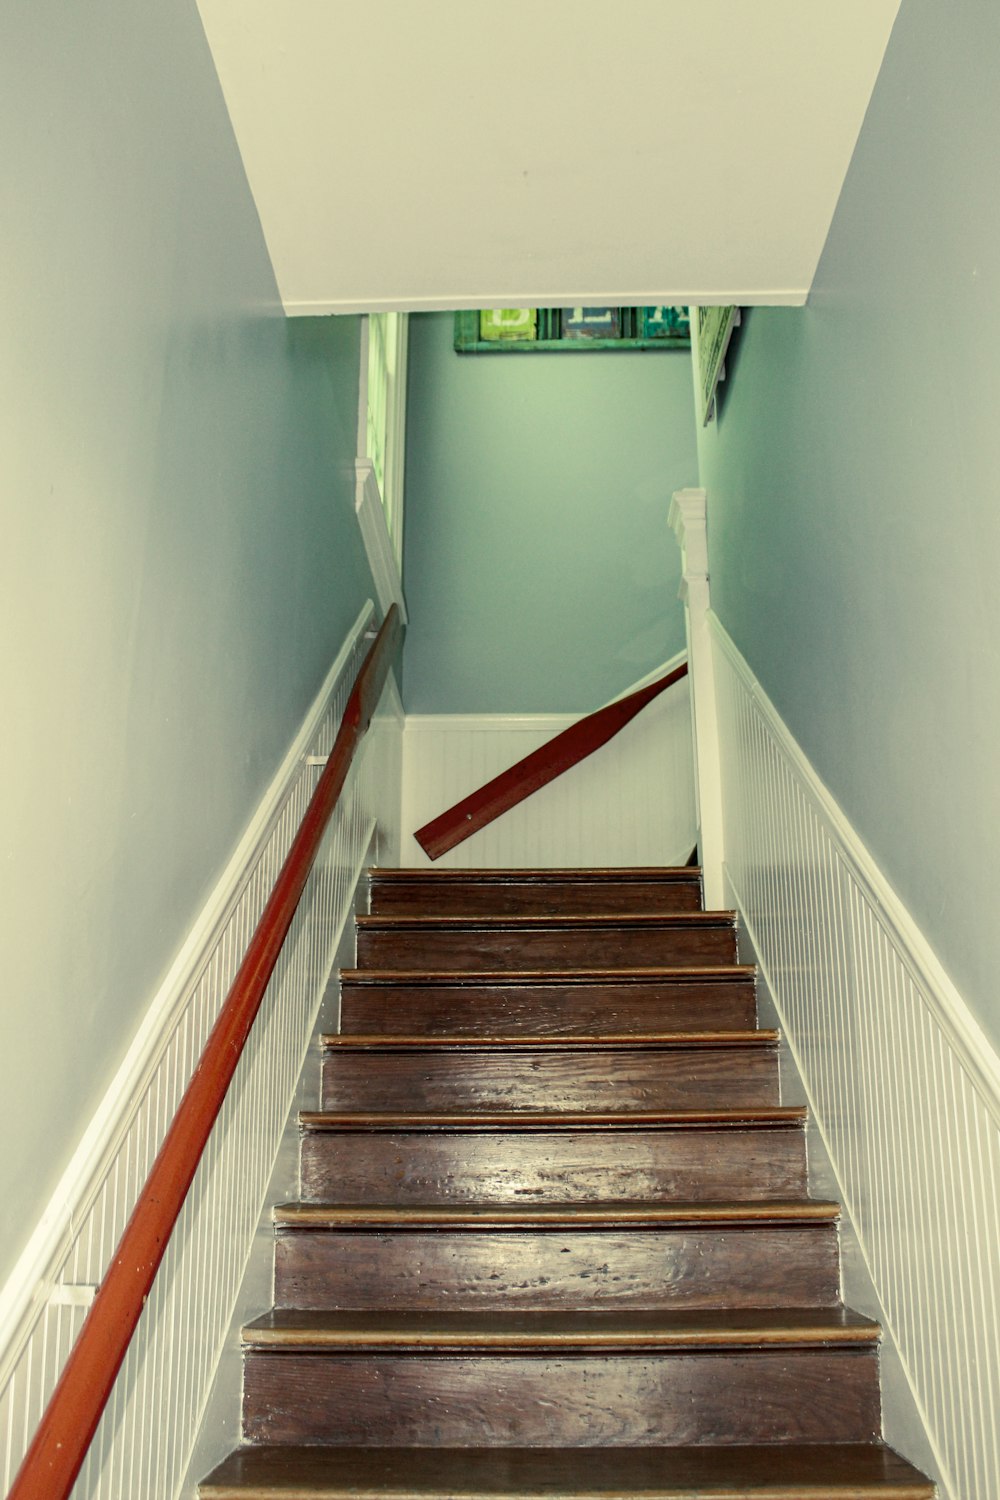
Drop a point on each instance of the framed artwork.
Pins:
(713, 331)
(551, 330)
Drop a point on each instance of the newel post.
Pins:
(687, 518)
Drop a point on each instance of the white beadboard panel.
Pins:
(142, 1446)
(630, 803)
(904, 1085)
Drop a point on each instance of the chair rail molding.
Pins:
(688, 520)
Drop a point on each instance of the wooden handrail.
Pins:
(60, 1444)
(537, 769)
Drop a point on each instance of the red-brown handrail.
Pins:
(536, 770)
(60, 1445)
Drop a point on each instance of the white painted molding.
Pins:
(670, 297)
(688, 519)
(531, 723)
(375, 534)
(979, 1057)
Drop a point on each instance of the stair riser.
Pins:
(553, 1271)
(593, 898)
(547, 1010)
(544, 949)
(712, 1397)
(596, 1080)
(589, 1166)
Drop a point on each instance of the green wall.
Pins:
(854, 490)
(180, 559)
(540, 574)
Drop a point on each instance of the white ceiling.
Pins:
(543, 152)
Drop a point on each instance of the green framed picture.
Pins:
(554, 330)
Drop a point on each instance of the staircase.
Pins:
(555, 1238)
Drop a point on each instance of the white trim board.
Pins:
(379, 550)
(517, 723)
(758, 297)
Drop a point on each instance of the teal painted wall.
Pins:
(540, 575)
(180, 559)
(854, 491)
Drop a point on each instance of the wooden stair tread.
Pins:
(842, 1471)
(779, 1117)
(531, 978)
(562, 1216)
(621, 1041)
(632, 874)
(633, 921)
(602, 1331)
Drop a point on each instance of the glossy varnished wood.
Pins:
(794, 1394)
(547, 1003)
(642, 1072)
(617, 1331)
(552, 1256)
(555, 1238)
(842, 1471)
(558, 1158)
(519, 892)
(436, 943)
(697, 1265)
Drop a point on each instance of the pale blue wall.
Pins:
(180, 559)
(854, 490)
(540, 573)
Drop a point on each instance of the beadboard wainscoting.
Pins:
(904, 1084)
(630, 803)
(143, 1443)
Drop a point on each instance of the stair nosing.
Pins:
(778, 1117)
(656, 973)
(564, 1218)
(545, 1334)
(532, 922)
(764, 1039)
(542, 875)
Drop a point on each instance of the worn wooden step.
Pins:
(548, 1002)
(480, 1256)
(545, 942)
(654, 1071)
(842, 1471)
(806, 1375)
(520, 892)
(560, 1157)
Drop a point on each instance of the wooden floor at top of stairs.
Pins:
(537, 890)
(842, 1471)
(540, 874)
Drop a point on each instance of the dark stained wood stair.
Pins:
(554, 1236)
